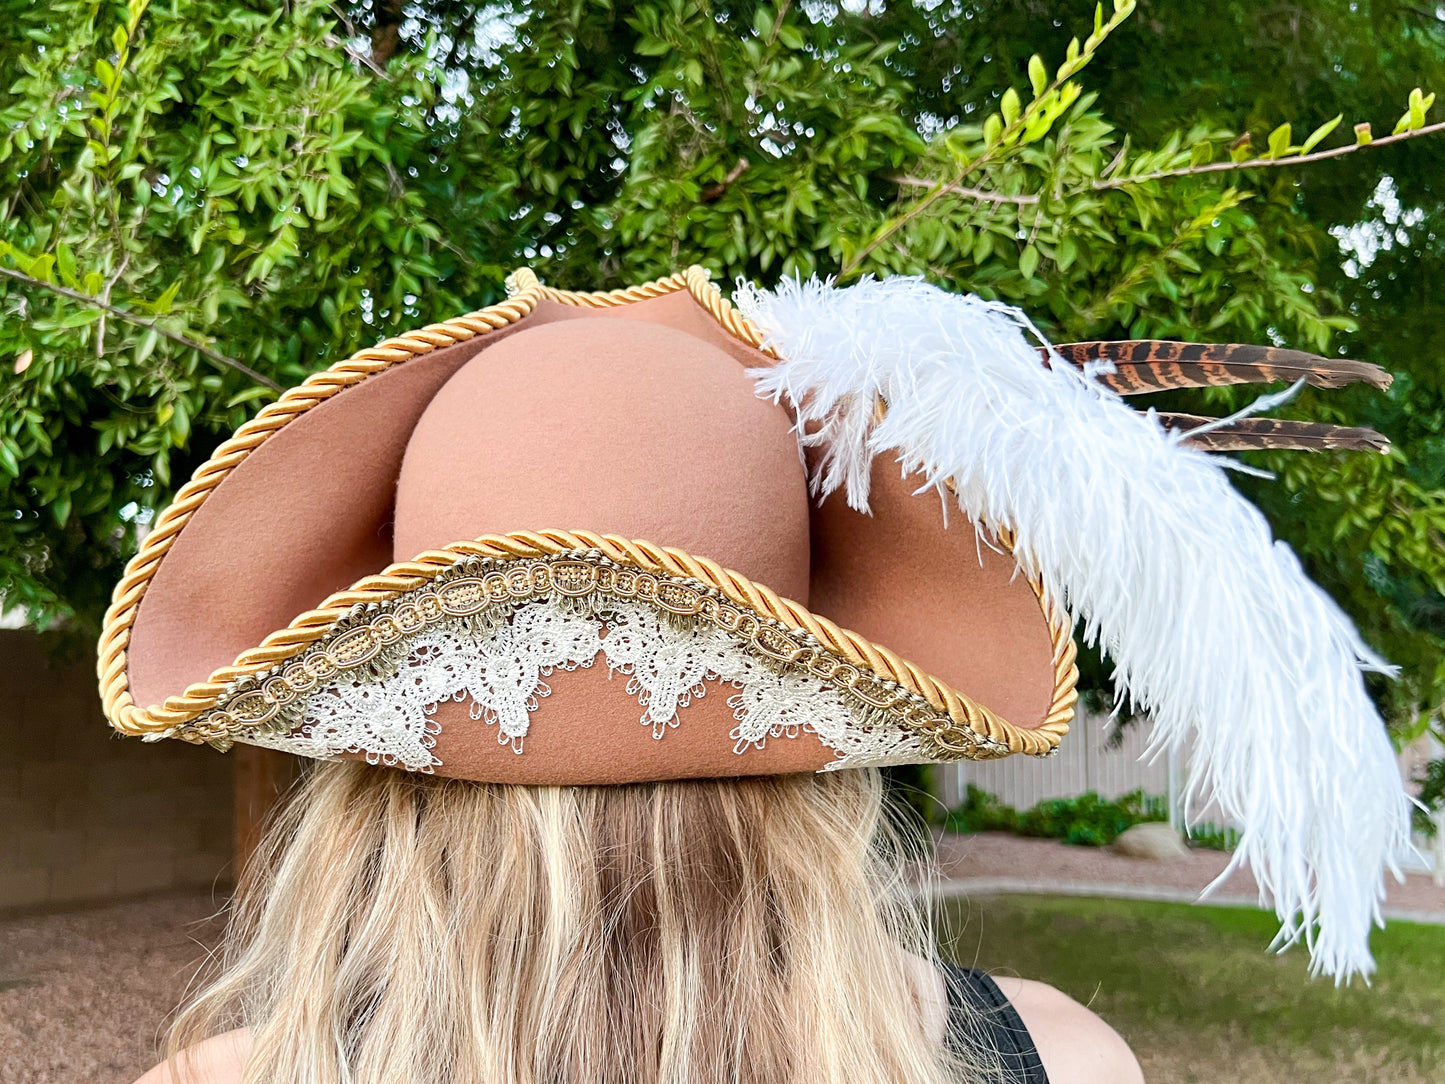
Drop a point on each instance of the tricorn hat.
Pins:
(572, 539)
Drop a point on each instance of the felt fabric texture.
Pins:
(307, 513)
(616, 426)
(638, 419)
(589, 730)
(940, 596)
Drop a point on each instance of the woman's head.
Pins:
(402, 928)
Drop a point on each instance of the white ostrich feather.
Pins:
(1213, 628)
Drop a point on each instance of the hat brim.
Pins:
(287, 528)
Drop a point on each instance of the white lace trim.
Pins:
(502, 671)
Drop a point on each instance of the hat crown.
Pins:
(613, 425)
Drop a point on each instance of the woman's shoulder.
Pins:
(1075, 1045)
(219, 1060)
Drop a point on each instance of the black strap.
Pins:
(980, 1015)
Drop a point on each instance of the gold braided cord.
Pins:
(525, 291)
(695, 280)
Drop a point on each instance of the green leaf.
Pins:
(1029, 261)
(250, 395)
(42, 268)
(982, 246)
(81, 317)
(167, 300)
(992, 130)
(1071, 58)
(1319, 133)
(1068, 251)
(1279, 142)
(147, 345)
(1038, 75)
(180, 424)
(1009, 106)
(65, 263)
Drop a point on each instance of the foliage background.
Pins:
(283, 183)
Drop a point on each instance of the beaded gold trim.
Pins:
(479, 588)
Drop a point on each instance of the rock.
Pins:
(1155, 840)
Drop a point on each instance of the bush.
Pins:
(982, 812)
(1214, 838)
(1086, 821)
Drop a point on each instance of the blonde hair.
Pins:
(403, 929)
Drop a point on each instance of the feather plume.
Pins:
(1249, 434)
(1142, 366)
(1213, 629)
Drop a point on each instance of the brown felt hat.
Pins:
(563, 540)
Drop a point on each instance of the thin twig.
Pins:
(990, 153)
(141, 321)
(970, 193)
(941, 189)
(778, 22)
(1259, 163)
(715, 190)
(360, 58)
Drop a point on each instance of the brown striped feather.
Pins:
(1149, 365)
(1250, 434)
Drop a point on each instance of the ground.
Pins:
(1192, 988)
(1196, 995)
(85, 995)
(993, 863)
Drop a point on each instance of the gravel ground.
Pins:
(1047, 865)
(84, 994)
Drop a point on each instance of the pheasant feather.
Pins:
(1213, 629)
(1142, 366)
(1248, 434)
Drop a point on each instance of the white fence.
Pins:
(1084, 762)
(1089, 760)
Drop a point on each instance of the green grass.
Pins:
(1197, 995)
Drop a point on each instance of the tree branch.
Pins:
(778, 22)
(1264, 163)
(145, 322)
(715, 190)
(386, 30)
(1009, 132)
(971, 193)
(365, 61)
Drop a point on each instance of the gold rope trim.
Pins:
(525, 291)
